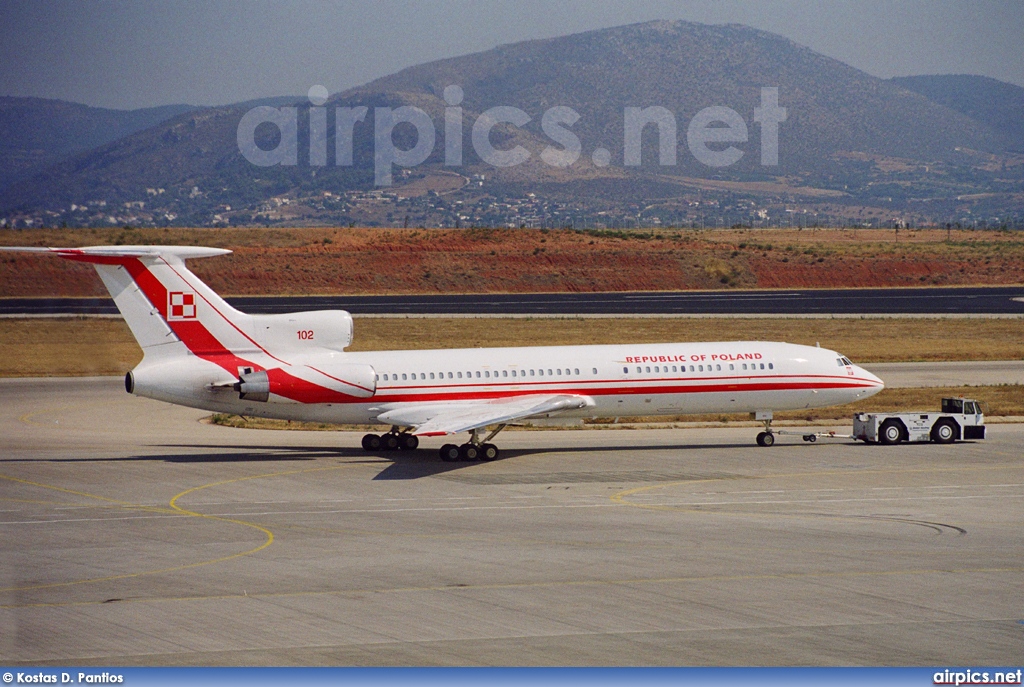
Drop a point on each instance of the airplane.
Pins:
(202, 353)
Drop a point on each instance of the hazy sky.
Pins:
(156, 52)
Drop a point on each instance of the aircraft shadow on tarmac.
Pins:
(419, 464)
(398, 465)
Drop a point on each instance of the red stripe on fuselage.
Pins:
(291, 387)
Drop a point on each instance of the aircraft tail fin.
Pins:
(183, 327)
(164, 304)
(175, 317)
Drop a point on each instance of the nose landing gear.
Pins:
(767, 437)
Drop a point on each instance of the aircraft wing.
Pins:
(437, 419)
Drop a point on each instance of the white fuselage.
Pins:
(620, 380)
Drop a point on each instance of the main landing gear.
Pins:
(767, 437)
(392, 441)
(474, 449)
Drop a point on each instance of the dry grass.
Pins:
(91, 346)
(863, 340)
(66, 347)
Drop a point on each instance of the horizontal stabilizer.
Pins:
(106, 252)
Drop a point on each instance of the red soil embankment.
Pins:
(391, 261)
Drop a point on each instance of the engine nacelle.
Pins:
(331, 382)
(316, 328)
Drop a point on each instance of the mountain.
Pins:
(685, 67)
(994, 103)
(35, 133)
(853, 148)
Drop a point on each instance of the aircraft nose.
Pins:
(870, 377)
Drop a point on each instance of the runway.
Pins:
(959, 373)
(1006, 301)
(133, 535)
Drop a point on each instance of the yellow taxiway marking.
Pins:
(27, 418)
(173, 509)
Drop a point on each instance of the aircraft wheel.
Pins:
(469, 452)
(488, 452)
(449, 453)
(765, 439)
(408, 442)
(389, 442)
(371, 442)
(810, 438)
(890, 432)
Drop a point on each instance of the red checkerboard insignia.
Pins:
(181, 305)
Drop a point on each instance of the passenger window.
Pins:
(576, 370)
(504, 373)
(449, 375)
(771, 366)
(595, 370)
(460, 375)
(700, 368)
(559, 372)
(478, 374)
(625, 370)
(531, 373)
(718, 367)
(403, 376)
(431, 375)
(550, 372)
(648, 368)
(638, 370)
(673, 368)
(744, 366)
(656, 368)
(423, 375)
(731, 366)
(762, 366)
(541, 372)
(691, 368)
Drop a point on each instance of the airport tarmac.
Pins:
(134, 535)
